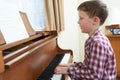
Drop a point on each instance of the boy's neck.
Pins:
(93, 31)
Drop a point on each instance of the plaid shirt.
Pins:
(99, 62)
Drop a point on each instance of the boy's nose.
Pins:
(78, 22)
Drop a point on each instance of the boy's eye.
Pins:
(81, 18)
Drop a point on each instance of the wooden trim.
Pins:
(2, 68)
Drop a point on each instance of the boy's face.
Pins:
(85, 22)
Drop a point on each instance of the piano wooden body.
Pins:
(26, 59)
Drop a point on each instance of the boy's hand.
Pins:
(62, 69)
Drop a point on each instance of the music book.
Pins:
(11, 24)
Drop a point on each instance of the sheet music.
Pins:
(11, 24)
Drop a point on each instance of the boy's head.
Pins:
(94, 8)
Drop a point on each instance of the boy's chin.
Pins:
(82, 31)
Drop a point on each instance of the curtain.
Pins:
(54, 15)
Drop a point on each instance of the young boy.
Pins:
(99, 62)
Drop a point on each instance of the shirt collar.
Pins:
(98, 31)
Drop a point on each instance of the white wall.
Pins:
(71, 37)
(114, 12)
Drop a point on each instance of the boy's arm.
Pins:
(92, 67)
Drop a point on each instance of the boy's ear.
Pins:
(96, 20)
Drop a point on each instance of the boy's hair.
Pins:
(95, 8)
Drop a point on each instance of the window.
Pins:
(34, 10)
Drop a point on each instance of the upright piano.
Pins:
(27, 59)
(32, 58)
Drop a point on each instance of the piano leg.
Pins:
(49, 71)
